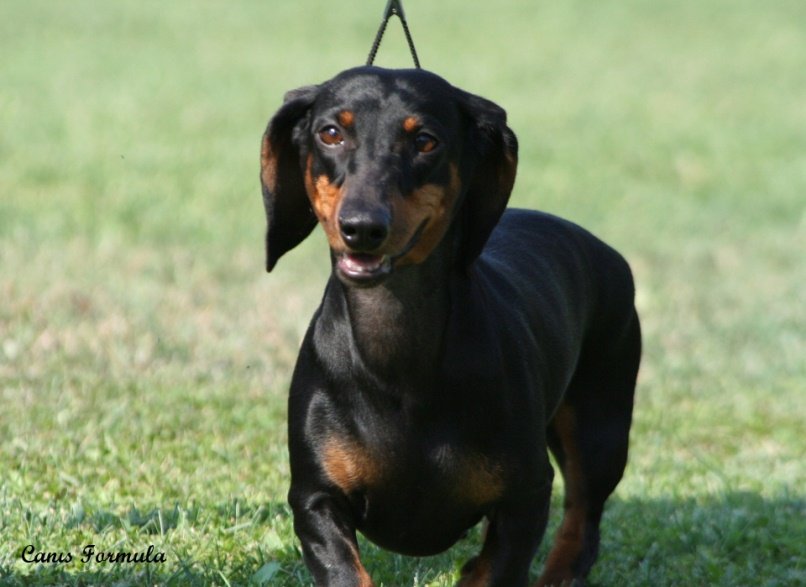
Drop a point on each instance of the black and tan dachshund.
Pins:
(456, 341)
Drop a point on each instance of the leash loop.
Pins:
(393, 7)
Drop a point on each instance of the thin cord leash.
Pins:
(393, 7)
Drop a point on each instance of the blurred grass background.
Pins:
(145, 355)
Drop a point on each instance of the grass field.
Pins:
(145, 355)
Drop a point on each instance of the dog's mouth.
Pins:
(364, 268)
(368, 269)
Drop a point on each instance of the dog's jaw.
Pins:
(363, 269)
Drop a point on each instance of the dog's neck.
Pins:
(393, 331)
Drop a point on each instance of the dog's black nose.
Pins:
(364, 232)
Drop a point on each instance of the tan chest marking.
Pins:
(474, 478)
(480, 481)
(348, 465)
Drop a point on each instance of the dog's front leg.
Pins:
(514, 532)
(328, 539)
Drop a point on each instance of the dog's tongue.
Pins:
(361, 262)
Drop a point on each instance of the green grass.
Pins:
(145, 355)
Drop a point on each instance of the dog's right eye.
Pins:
(331, 136)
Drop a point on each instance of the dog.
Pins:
(456, 341)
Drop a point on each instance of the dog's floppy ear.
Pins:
(491, 160)
(288, 211)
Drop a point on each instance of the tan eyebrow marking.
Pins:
(411, 123)
(346, 118)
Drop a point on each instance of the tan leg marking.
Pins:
(571, 535)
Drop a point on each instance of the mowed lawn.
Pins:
(145, 354)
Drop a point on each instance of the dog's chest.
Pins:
(417, 497)
(451, 470)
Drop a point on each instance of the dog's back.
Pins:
(548, 290)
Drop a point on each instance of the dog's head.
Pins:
(385, 161)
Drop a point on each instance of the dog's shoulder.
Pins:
(541, 246)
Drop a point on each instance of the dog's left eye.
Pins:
(425, 143)
(331, 136)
